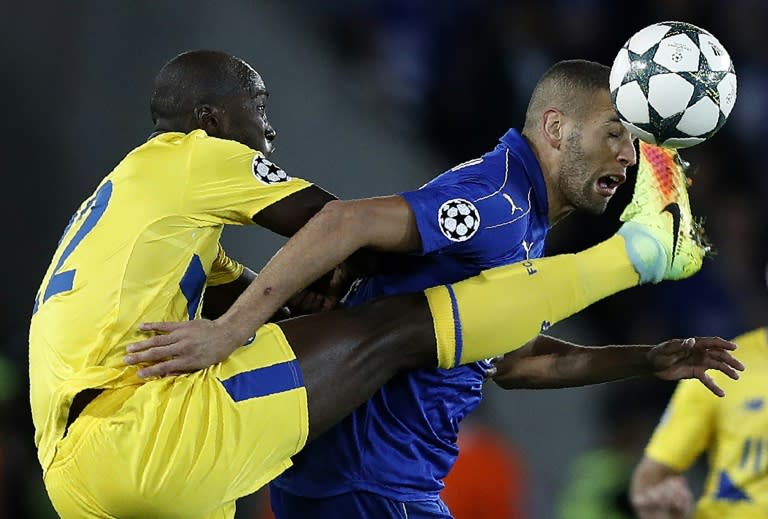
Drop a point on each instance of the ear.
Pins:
(552, 127)
(207, 118)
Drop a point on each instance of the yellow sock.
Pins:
(502, 309)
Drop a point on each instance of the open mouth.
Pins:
(607, 185)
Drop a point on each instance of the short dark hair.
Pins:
(568, 86)
(198, 77)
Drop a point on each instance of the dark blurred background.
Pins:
(373, 97)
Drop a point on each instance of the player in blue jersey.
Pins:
(388, 459)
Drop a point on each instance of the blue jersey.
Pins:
(484, 213)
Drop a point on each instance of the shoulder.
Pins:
(488, 168)
(203, 145)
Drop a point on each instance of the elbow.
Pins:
(344, 221)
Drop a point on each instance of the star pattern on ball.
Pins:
(642, 68)
(676, 28)
(686, 80)
(664, 127)
(703, 77)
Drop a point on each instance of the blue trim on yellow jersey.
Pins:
(61, 282)
(269, 380)
(727, 490)
(745, 452)
(192, 283)
(456, 326)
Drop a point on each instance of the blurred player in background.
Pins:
(490, 479)
(733, 432)
(390, 456)
(598, 477)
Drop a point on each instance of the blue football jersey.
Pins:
(483, 213)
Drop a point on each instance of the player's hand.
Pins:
(692, 357)
(310, 302)
(491, 370)
(322, 295)
(181, 347)
(670, 499)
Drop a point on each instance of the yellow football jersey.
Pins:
(732, 430)
(141, 248)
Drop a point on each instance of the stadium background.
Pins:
(373, 97)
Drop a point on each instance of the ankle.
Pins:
(645, 252)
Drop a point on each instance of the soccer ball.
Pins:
(673, 84)
(458, 219)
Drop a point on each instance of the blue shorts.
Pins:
(353, 505)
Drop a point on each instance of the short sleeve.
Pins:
(686, 428)
(446, 215)
(229, 182)
(224, 269)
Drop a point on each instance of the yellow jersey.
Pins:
(732, 430)
(141, 248)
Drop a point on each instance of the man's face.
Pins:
(243, 118)
(595, 156)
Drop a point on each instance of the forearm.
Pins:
(547, 362)
(338, 230)
(219, 298)
(324, 242)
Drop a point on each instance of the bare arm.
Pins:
(658, 491)
(547, 362)
(333, 234)
(288, 215)
(219, 298)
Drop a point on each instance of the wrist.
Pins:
(648, 366)
(235, 330)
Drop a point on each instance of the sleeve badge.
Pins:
(458, 219)
(268, 172)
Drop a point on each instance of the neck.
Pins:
(173, 125)
(559, 208)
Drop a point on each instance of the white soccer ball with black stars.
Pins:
(673, 84)
(458, 219)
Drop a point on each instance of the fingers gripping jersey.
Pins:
(141, 248)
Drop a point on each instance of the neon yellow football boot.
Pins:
(662, 238)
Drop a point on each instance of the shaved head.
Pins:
(215, 92)
(577, 136)
(201, 77)
(569, 86)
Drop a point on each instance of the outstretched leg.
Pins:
(346, 355)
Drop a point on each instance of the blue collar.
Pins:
(520, 148)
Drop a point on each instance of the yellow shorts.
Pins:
(185, 446)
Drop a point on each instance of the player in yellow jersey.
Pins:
(733, 431)
(145, 247)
